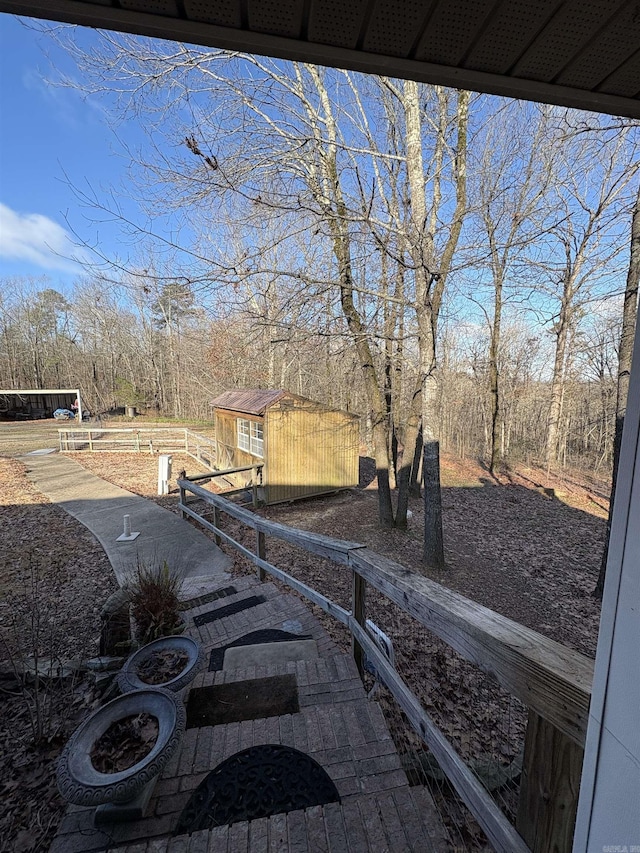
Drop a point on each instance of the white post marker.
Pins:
(127, 536)
(164, 473)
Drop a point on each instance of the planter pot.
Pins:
(128, 678)
(78, 780)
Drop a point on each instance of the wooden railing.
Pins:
(138, 440)
(201, 448)
(253, 487)
(551, 680)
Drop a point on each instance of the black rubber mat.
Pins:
(199, 600)
(257, 782)
(228, 609)
(252, 699)
(268, 635)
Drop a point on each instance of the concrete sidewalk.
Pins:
(100, 506)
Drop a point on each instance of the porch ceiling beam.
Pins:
(96, 14)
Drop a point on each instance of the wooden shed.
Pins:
(306, 448)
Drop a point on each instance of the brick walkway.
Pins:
(337, 726)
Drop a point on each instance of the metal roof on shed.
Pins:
(251, 401)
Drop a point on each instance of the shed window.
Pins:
(251, 437)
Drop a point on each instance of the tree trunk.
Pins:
(494, 376)
(627, 336)
(433, 554)
(430, 277)
(557, 381)
(329, 193)
(414, 479)
(410, 438)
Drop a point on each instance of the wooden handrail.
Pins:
(129, 439)
(313, 595)
(121, 429)
(317, 543)
(550, 678)
(554, 682)
(195, 477)
(504, 838)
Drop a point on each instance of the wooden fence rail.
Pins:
(552, 681)
(254, 485)
(138, 440)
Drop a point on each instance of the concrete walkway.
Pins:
(100, 506)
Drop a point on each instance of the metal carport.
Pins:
(45, 398)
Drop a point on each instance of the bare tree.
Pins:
(625, 353)
(512, 184)
(591, 200)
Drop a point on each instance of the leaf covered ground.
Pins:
(55, 578)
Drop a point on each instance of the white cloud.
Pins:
(36, 238)
(64, 95)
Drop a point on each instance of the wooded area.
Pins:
(451, 267)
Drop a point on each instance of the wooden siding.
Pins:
(229, 455)
(309, 451)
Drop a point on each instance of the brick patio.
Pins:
(337, 726)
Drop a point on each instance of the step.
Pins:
(400, 821)
(266, 654)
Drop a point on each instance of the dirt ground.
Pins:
(524, 545)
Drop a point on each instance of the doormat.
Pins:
(268, 635)
(242, 700)
(228, 610)
(199, 600)
(257, 782)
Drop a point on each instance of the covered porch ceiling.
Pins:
(578, 53)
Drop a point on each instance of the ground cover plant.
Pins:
(154, 594)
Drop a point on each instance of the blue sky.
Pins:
(50, 137)
(53, 139)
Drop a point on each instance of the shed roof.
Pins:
(251, 401)
(255, 401)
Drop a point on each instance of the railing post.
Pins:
(261, 551)
(216, 523)
(90, 441)
(358, 608)
(549, 787)
(254, 486)
(183, 501)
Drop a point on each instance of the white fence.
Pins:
(134, 440)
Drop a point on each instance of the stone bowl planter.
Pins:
(78, 780)
(128, 678)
